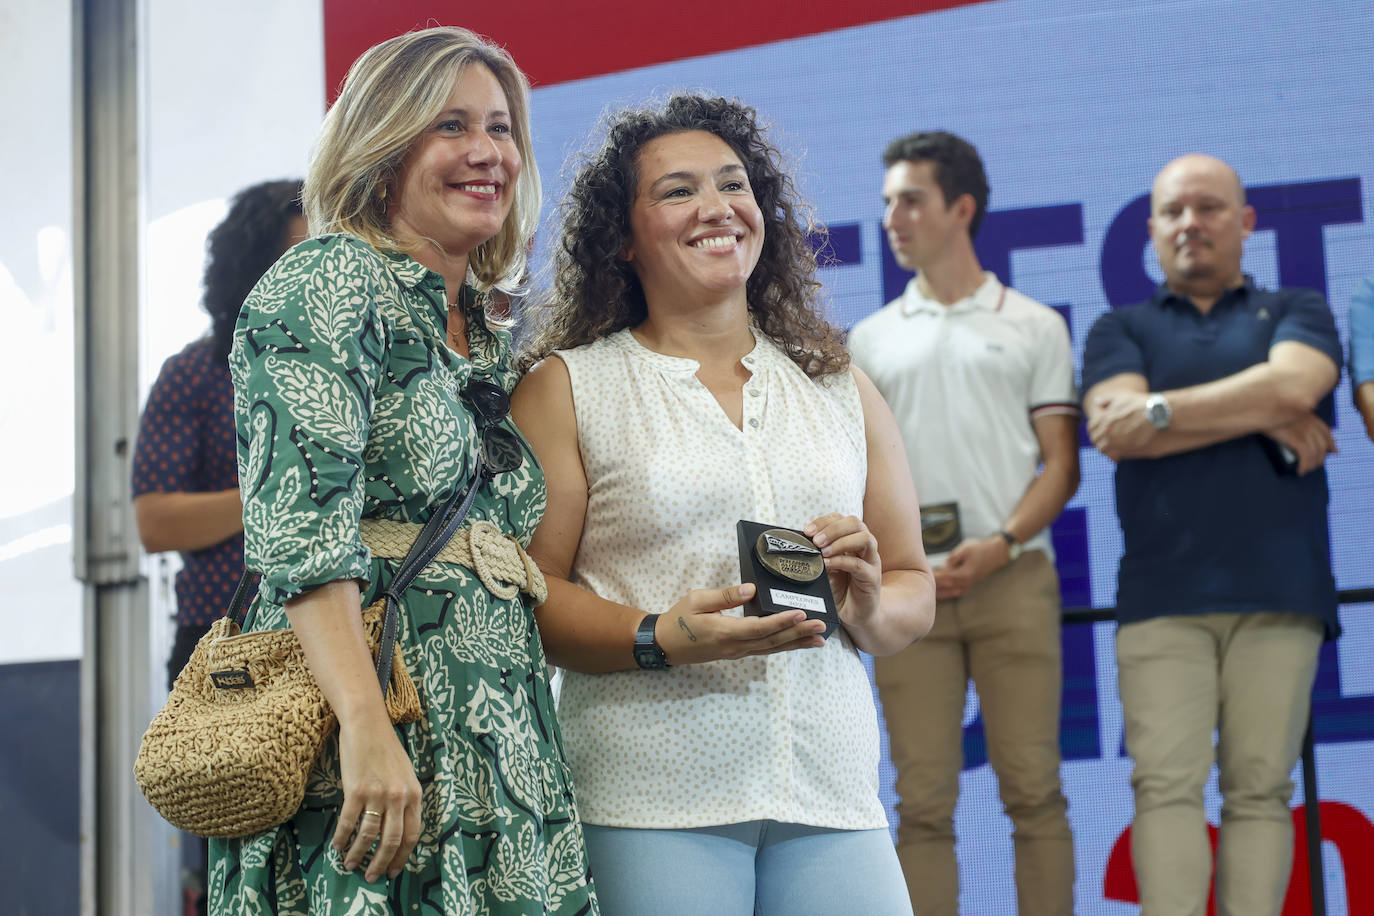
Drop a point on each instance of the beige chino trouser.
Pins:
(1248, 677)
(1004, 634)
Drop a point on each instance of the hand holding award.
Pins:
(788, 572)
(832, 562)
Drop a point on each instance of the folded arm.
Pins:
(1267, 397)
(1269, 394)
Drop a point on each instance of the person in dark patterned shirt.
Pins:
(185, 476)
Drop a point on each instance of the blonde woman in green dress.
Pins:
(367, 377)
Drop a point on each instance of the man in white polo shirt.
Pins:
(981, 380)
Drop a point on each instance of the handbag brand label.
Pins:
(231, 680)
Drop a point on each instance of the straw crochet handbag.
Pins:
(231, 751)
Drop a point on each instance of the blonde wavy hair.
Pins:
(391, 95)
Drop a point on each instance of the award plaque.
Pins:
(940, 528)
(788, 572)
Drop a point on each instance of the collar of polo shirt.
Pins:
(987, 297)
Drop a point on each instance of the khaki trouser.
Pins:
(1004, 634)
(1249, 677)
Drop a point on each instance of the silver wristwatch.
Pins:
(1158, 411)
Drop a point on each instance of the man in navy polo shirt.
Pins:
(1214, 399)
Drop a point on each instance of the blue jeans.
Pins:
(758, 867)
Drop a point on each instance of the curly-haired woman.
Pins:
(722, 761)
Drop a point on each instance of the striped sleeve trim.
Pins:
(1069, 408)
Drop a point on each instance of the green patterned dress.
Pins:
(348, 406)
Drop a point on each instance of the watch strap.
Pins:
(649, 655)
(1013, 545)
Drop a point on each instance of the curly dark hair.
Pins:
(958, 167)
(241, 248)
(596, 293)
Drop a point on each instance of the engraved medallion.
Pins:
(790, 555)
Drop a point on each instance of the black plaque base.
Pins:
(776, 592)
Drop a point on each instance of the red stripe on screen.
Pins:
(555, 42)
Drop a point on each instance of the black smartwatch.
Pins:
(648, 653)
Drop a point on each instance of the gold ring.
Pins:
(367, 811)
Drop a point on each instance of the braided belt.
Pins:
(498, 559)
